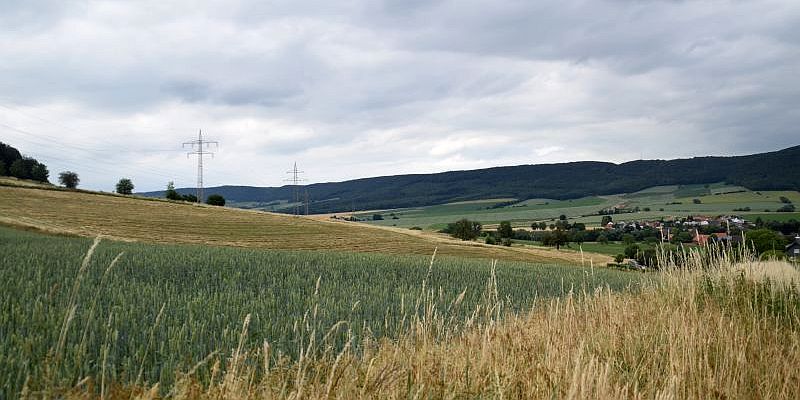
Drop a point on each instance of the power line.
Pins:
(101, 156)
(295, 179)
(112, 147)
(200, 152)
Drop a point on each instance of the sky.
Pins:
(359, 88)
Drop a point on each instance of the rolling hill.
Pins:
(160, 221)
(765, 171)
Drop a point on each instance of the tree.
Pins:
(171, 193)
(682, 237)
(542, 225)
(628, 239)
(632, 251)
(785, 200)
(69, 179)
(188, 197)
(217, 200)
(605, 220)
(17, 169)
(505, 230)
(562, 217)
(555, 238)
(8, 154)
(124, 186)
(578, 236)
(619, 258)
(40, 173)
(19, 166)
(602, 238)
(465, 229)
(765, 239)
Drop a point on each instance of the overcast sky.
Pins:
(354, 88)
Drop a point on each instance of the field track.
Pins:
(156, 221)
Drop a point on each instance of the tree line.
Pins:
(13, 163)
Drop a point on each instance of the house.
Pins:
(701, 240)
(793, 249)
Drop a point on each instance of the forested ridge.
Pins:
(766, 171)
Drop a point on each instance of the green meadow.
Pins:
(653, 203)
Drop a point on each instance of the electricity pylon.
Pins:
(200, 152)
(295, 179)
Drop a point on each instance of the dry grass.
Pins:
(780, 273)
(133, 219)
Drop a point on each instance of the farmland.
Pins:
(662, 201)
(159, 221)
(214, 302)
(161, 309)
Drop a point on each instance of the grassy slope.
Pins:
(127, 218)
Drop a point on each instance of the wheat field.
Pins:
(701, 329)
(138, 313)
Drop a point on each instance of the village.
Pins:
(702, 230)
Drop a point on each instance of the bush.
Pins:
(415, 228)
(173, 194)
(216, 200)
(772, 255)
(632, 251)
(786, 208)
(490, 239)
(697, 201)
(377, 217)
(69, 179)
(619, 258)
(124, 186)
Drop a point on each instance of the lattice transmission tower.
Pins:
(295, 179)
(200, 151)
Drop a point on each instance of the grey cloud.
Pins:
(414, 86)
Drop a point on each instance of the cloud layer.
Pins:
(363, 88)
